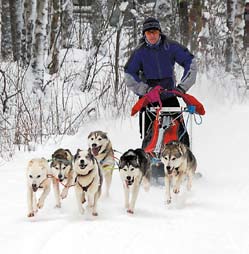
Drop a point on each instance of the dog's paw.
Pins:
(189, 186)
(64, 193)
(81, 210)
(94, 214)
(176, 190)
(40, 204)
(31, 214)
(130, 211)
(58, 205)
(168, 201)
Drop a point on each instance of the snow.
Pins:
(212, 218)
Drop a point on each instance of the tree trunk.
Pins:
(163, 13)
(238, 38)
(54, 38)
(184, 23)
(37, 61)
(67, 24)
(195, 24)
(246, 27)
(27, 31)
(229, 41)
(97, 25)
(6, 49)
(16, 22)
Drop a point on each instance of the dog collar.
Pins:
(88, 173)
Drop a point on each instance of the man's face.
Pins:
(152, 36)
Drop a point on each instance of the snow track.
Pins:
(212, 218)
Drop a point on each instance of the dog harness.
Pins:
(85, 188)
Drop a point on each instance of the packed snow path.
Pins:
(212, 218)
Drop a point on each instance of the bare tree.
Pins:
(54, 38)
(184, 23)
(37, 60)
(6, 43)
(67, 23)
(246, 27)
(238, 38)
(27, 30)
(163, 12)
(16, 26)
(195, 23)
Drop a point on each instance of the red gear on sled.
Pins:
(151, 146)
(171, 134)
(189, 100)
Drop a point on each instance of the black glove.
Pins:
(180, 89)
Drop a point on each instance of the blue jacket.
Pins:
(152, 65)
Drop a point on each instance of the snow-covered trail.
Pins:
(212, 218)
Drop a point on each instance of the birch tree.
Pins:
(235, 36)
(6, 42)
(27, 30)
(97, 25)
(246, 27)
(238, 38)
(53, 64)
(67, 23)
(163, 12)
(37, 60)
(16, 23)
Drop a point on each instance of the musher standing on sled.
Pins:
(152, 64)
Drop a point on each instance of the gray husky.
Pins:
(101, 148)
(62, 171)
(178, 162)
(134, 167)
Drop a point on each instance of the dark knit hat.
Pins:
(151, 24)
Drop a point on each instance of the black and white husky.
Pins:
(134, 168)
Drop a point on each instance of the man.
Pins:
(152, 65)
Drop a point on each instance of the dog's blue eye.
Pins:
(38, 176)
(30, 176)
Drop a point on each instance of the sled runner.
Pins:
(167, 125)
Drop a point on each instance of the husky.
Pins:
(62, 171)
(37, 177)
(134, 168)
(101, 148)
(179, 162)
(88, 180)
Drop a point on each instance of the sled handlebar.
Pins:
(190, 109)
(168, 109)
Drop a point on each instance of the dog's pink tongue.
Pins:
(95, 151)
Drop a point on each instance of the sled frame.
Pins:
(166, 114)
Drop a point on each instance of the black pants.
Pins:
(149, 119)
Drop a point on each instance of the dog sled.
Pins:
(167, 124)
